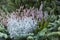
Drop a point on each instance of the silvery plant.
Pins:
(21, 27)
(23, 22)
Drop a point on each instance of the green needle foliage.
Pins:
(11, 5)
(3, 31)
(47, 29)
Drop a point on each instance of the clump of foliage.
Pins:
(46, 15)
(23, 20)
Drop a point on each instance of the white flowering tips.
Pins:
(22, 26)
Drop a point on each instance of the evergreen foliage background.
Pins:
(49, 29)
